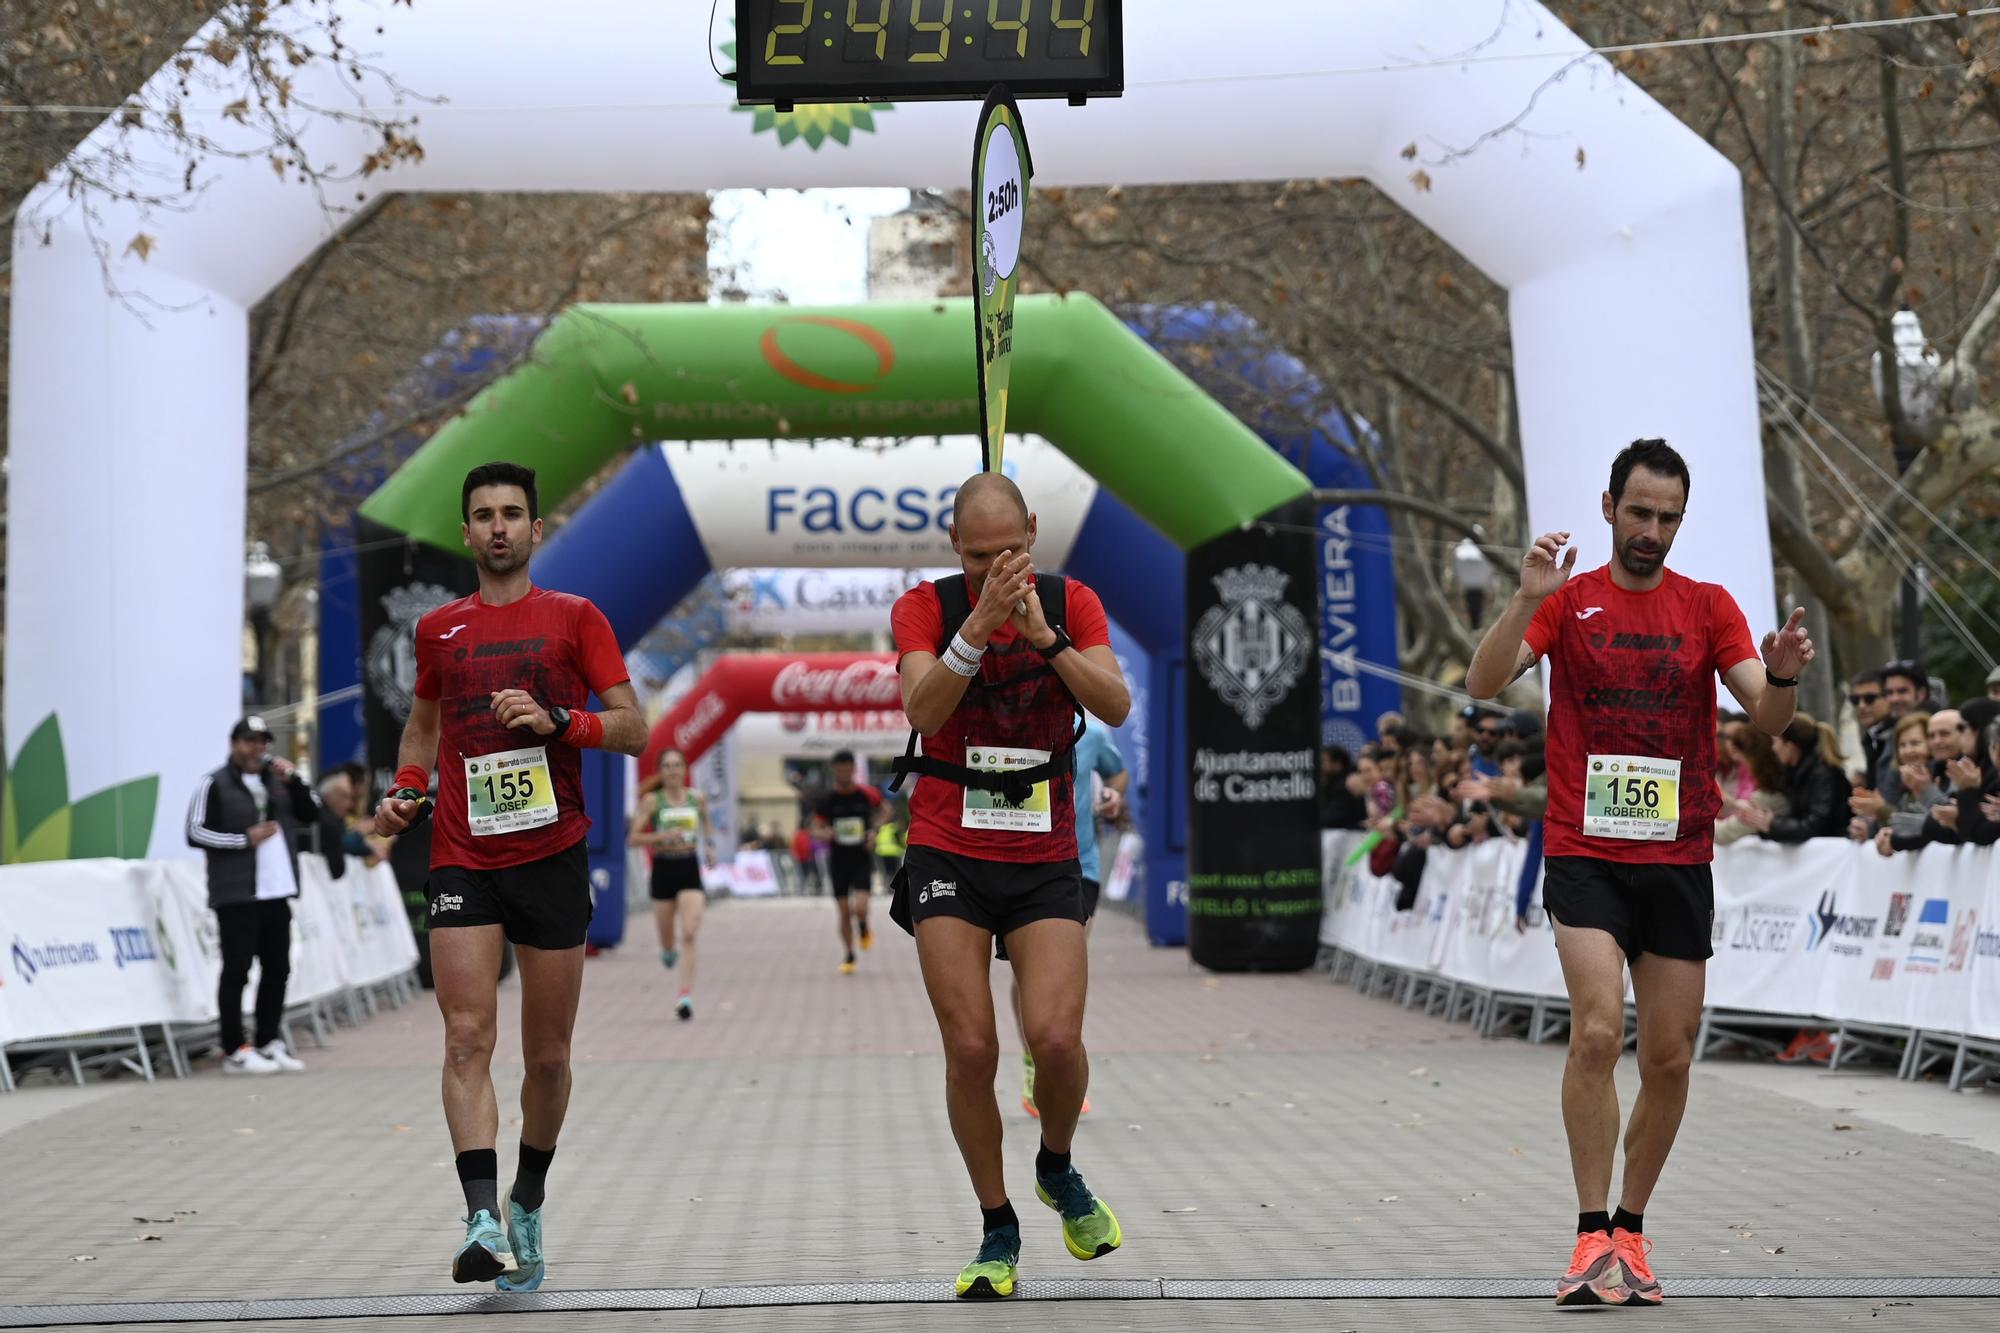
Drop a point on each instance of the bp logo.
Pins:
(1252, 648)
(391, 659)
(815, 123)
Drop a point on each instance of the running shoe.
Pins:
(1642, 1287)
(990, 1275)
(281, 1056)
(847, 968)
(684, 1005)
(1594, 1276)
(1822, 1051)
(1801, 1047)
(669, 957)
(484, 1254)
(247, 1059)
(524, 1238)
(867, 937)
(1090, 1228)
(1028, 1085)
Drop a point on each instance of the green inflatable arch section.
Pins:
(606, 378)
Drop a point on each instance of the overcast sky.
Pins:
(809, 247)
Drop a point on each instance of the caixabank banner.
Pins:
(1253, 727)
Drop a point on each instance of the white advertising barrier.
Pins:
(1826, 929)
(83, 949)
(751, 875)
(105, 944)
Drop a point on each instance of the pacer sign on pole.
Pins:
(1000, 171)
(1253, 727)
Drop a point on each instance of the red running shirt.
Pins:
(1634, 673)
(936, 806)
(557, 647)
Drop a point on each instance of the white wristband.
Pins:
(962, 657)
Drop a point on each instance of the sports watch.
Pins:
(560, 716)
(1062, 641)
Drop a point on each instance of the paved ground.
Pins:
(1244, 1127)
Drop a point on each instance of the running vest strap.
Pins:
(1015, 784)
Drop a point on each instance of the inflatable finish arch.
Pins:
(1627, 282)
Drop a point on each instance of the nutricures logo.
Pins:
(30, 959)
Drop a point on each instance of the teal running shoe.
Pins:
(669, 957)
(524, 1238)
(1090, 1228)
(483, 1257)
(990, 1276)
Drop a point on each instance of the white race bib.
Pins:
(850, 830)
(1632, 797)
(509, 791)
(991, 810)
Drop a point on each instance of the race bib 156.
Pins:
(1632, 797)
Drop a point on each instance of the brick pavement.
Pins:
(1246, 1127)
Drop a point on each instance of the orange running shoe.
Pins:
(1642, 1286)
(1595, 1276)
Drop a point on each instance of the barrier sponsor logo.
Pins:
(1253, 647)
(132, 944)
(1988, 944)
(869, 683)
(1964, 927)
(1845, 931)
(30, 959)
(166, 939)
(1761, 929)
(1339, 634)
(1928, 937)
(1899, 914)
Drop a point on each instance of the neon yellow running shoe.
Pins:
(990, 1275)
(1090, 1228)
(1028, 1085)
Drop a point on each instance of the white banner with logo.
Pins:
(816, 601)
(109, 944)
(1827, 929)
(870, 502)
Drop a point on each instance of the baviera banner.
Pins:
(401, 580)
(1001, 169)
(1253, 722)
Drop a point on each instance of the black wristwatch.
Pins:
(560, 716)
(1780, 682)
(1062, 641)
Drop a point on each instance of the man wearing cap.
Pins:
(236, 813)
(1993, 683)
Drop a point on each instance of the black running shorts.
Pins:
(852, 871)
(542, 904)
(675, 875)
(1666, 910)
(1090, 892)
(1000, 896)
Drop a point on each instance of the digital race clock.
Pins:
(791, 51)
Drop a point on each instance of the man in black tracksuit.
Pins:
(235, 810)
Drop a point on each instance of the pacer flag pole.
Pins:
(1001, 168)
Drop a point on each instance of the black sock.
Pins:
(1049, 1162)
(1593, 1222)
(992, 1219)
(531, 1178)
(1632, 1222)
(479, 1176)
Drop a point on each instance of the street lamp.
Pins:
(263, 580)
(1917, 396)
(1475, 577)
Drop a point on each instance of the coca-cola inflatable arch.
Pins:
(740, 683)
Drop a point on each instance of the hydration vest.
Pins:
(1016, 700)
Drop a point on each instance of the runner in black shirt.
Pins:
(848, 815)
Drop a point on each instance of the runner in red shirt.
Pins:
(994, 688)
(1634, 650)
(502, 678)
